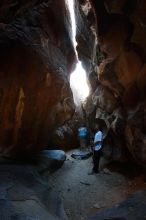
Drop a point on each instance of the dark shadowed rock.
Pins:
(131, 209)
(50, 160)
(104, 99)
(33, 57)
(121, 49)
(65, 137)
(81, 154)
(25, 196)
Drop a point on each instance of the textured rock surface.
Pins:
(118, 96)
(34, 83)
(131, 209)
(34, 78)
(50, 160)
(24, 195)
(36, 58)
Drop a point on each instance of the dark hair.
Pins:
(100, 123)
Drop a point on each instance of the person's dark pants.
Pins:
(96, 158)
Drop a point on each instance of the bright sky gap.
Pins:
(78, 78)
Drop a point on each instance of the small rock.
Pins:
(106, 171)
(98, 206)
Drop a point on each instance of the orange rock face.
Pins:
(121, 52)
(36, 59)
(34, 78)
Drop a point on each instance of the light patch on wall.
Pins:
(48, 79)
(18, 114)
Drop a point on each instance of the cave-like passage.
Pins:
(78, 78)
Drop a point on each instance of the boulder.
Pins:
(50, 160)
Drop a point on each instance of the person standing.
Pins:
(97, 150)
(82, 133)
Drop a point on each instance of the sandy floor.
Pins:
(84, 194)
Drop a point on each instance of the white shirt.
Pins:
(98, 137)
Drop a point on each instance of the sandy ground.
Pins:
(83, 194)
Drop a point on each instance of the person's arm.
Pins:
(92, 145)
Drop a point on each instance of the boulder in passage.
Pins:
(81, 154)
(50, 160)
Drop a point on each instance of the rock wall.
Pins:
(118, 96)
(35, 57)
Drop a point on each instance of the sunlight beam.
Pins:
(78, 78)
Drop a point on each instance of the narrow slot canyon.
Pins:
(69, 67)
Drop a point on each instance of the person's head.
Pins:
(98, 124)
(97, 127)
(82, 124)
